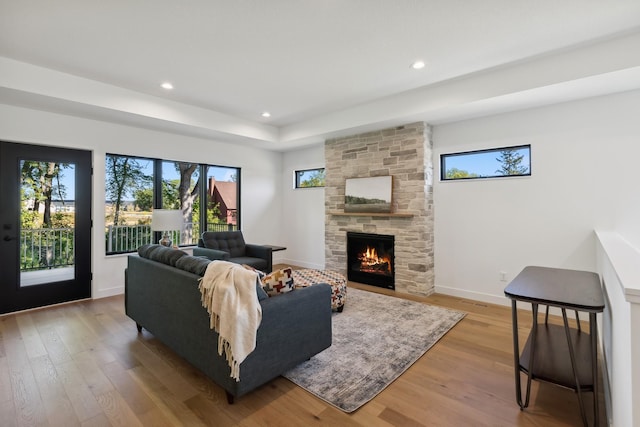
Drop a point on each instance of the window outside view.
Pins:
(47, 229)
(47, 217)
(130, 188)
(309, 178)
(493, 163)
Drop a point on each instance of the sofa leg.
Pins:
(229, 398)
(139, 327)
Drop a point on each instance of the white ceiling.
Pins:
(322, 68)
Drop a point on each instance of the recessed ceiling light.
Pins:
(266, 114)
(418, 65)
(167, 86)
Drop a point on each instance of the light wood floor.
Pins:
(85, 364)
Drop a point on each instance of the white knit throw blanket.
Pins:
(229, 295)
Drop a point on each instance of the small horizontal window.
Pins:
(493, 163)
(309, 178)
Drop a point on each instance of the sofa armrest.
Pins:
(295, 326)
(258, 251)
(263, 252)
(212, 254)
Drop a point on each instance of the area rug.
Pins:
(375, 339)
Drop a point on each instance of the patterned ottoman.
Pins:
(309, 277)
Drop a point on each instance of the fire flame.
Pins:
(370, 260)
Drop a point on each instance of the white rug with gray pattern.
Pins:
(375, 339)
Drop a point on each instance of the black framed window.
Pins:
(135, 186)
(491, 163)
(308, 178)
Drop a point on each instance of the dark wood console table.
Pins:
(544, 356)
(275, 248)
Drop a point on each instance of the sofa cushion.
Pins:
(166, 255)
(145, 250)
(260, 291)
(228, 241)
(161, 254)
(192, 264)
(278, 282)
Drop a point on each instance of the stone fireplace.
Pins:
(405, 153)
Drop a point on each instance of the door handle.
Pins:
(8, 238)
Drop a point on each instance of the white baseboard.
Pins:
(109, 292)
(501, 300)
(476, 296)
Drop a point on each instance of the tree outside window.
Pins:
(309, 178)
(133, 191)
(491, 163)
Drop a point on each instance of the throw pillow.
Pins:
(278, 282)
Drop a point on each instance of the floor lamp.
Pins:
(165, 220)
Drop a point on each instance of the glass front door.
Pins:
(46, 226)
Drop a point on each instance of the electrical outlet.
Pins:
(503, 276)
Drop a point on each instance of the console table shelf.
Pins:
(551, 361)
(375, 214)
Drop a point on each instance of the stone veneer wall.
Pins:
(404, 152)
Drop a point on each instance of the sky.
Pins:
(483, 163)
(168, 171)
(67, 180)
(219, 173)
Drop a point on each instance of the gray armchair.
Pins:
(230, 246)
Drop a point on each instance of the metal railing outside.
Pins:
(221, 227)
(128, 238)
(44, 248)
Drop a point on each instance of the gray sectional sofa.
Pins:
(162, 296)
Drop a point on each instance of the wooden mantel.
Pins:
(374, 214)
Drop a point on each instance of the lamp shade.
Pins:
(166, 220)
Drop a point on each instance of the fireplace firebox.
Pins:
(370, 259)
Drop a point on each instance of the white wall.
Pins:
(584, 176)
(261, 173)
(585, 161)
(303, 210)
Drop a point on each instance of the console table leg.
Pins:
(534, 334)
(573, 366)
(578, 321)
(593, 331)
(516, 351)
